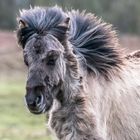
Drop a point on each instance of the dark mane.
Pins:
(42, 21)
(94, 41)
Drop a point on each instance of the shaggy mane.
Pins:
(42, 21)
(93, 41)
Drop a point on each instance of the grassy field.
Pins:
(16, 123)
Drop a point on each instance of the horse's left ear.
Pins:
(22, 24)
(65, 23)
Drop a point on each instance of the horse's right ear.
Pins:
(65, 23)
(62, 28)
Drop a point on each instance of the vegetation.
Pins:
(123, 14)
(16, 123)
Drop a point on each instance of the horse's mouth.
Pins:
(42, 105)
(37, 106)
(38, 111)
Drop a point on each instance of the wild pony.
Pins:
(79, 75)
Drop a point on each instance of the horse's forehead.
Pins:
(52, 43)
(43, 44)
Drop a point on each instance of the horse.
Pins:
(79, 76)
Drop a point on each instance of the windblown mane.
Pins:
(94, 41)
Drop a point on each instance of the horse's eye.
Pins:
(51, 62)
(25, 60)
(52, 57)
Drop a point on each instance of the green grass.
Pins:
(16, 123)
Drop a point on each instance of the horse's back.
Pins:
(124, 117)
(134, 56)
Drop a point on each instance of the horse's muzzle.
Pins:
(35, 101)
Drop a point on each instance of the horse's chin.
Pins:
(44, 109)
(36, 112)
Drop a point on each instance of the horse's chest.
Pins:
(57, 121)
(59, 125)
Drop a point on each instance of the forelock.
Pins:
(41, 21)
(40, 18)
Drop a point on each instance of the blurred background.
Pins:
(16, 123)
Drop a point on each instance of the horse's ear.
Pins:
(22, 24)
(62, 28)
(65, 23)
(21, 32)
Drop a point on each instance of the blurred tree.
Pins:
(124, 14)
(7, 13)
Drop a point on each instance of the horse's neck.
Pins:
(76, 116)
(108, 97)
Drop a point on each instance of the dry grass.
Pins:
(11, 60)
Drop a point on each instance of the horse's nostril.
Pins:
(39, 100)
(35, 102)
